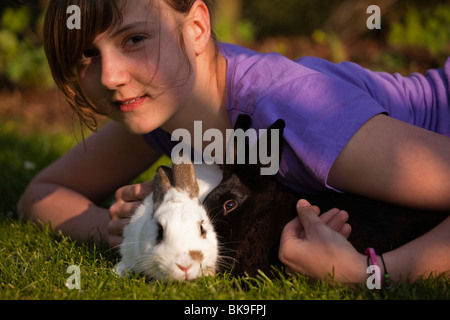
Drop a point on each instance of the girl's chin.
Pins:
(140, 123)
(138, 129)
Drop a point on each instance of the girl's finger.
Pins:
(292, 230)
(346, 230)
(123, 210)
(307, 214)
(336, 219)
(135, 192)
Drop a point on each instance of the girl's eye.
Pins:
(91, 53)
(134, 41)
(229, 206)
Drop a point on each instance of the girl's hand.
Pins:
(128, 199)
(318, 246)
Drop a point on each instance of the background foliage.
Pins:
(415, 34)
(22, 57)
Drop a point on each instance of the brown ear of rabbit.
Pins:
(181, 176)
(162, 183)
(184, 179)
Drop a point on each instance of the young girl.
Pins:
(153, 66)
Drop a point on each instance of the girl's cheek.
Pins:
(89, 75)
(90, 81)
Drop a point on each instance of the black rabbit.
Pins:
(250, 210)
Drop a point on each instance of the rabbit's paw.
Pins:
(121, 270)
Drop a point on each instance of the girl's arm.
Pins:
(424, 256)
(387, 160)
(396, 162)
(310, 246)
(66, 194)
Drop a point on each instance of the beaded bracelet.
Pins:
(387, 277)
(371, 256)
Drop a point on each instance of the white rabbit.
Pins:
(170, 235)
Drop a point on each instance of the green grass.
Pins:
(34, 262)
(22, 155)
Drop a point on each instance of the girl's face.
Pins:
(136, 73)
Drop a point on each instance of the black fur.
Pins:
(250, 234)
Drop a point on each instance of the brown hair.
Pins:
(64, 48)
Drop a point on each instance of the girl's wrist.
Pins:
(356, 274)
(360, 270)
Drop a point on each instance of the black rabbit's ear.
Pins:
(243, 121)
(267, 140)
(269, 144)
(279, 125)
(163, 181)
(268, 148)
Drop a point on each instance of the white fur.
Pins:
(180, 217)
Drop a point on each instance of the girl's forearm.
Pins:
(424, 256)
(64, 210)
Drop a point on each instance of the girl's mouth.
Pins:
(130, 104)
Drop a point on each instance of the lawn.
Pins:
(34, 262)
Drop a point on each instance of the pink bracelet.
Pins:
(370, 253)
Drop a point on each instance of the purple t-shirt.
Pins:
(323, 105)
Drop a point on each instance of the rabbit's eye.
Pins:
(160, 235)
(229, 206)
(202, 230)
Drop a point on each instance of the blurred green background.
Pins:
(414, 36)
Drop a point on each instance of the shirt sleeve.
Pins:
(322, 114)
(422, 100)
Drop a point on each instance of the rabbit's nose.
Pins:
(183, 268)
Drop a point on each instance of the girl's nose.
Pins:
(114, 72)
